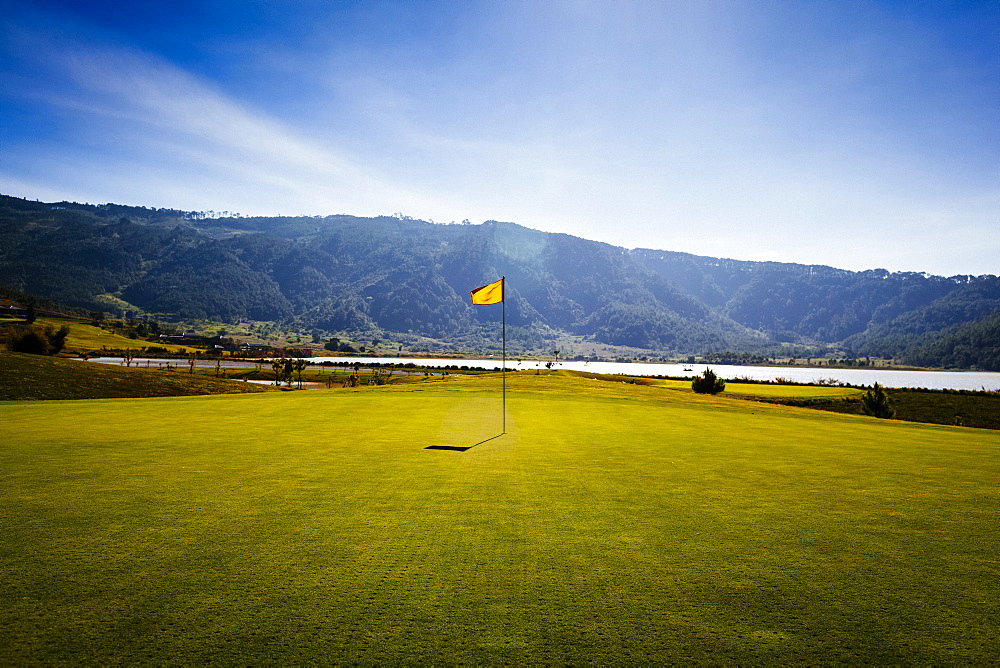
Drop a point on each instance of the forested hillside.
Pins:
(389, 274)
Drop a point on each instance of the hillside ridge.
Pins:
(385, 274)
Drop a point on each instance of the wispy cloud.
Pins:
(856, 137)
(150, 116)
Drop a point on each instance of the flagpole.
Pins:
(486, 295)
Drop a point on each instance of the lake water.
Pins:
(936, 380)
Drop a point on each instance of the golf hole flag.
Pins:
(488, 294)
(493, 294)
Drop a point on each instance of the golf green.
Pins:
(613, 523)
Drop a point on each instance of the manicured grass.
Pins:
(612, 524)
(764, 390)
(25, 376)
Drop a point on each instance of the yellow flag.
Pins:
(488, 294)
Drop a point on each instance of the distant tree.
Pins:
(36, 340)
(30, 314)
(299, 365)
(57, 339)
(708, 383)
(31, 341)
(875, 402)
(380, 377)
(279, 369)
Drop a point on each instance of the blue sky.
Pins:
(848, 133)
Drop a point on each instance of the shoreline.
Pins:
(967, 380)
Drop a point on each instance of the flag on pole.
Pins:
(493, 294)
(488, 294)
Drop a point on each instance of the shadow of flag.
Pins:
(460, 448)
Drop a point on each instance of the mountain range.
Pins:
(385, 275)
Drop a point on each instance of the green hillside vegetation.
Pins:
(10, 296)
(395, 278)
(972, 344)
(35, 377)
(614, 523)
(870, 313)
(959, 330)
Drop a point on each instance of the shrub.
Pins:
(38, 341)
(708, 383)
(380, 377)
(875, 402)
(57, 338)
(29, 341)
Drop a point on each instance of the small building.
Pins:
(12, 311)
(186, 337)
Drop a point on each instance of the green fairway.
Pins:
(762, 390)
(614, 523)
